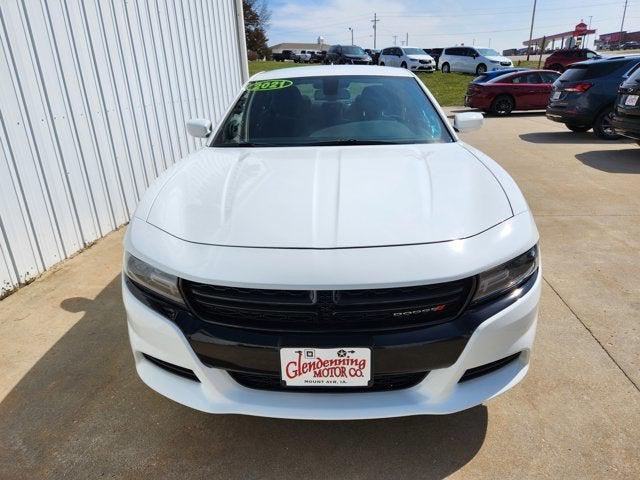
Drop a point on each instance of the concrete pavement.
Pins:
(71, 405)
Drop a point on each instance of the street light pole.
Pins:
(351, 30)
(533, 17)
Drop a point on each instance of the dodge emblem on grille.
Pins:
(437, 308)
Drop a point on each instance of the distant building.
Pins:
(296, 47)
(617, 37)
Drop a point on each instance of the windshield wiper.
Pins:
(349, 141)
(247, 144)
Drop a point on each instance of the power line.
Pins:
(495, 12)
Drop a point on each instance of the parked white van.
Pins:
(476, 60)
(411, 58)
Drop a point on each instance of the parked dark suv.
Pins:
(435, 54)
(626, 119)
(584, 96)
(561, 59)
(342, 54)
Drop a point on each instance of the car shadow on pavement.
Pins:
(613, 161)
(568, 137)
(82, 412)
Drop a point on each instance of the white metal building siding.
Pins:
(94, 95)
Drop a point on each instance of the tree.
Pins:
(256, 21)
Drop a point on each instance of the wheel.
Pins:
(445, 68)
(502, 105)
(603, 128)
(403, 64)
(481, 69)
(557, 67)
(381, 64)
(578, 128)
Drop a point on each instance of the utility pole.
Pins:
(351, 30)
(406, 42)
(375, 22)
(624, 14)
(533, 17)
(489, 43)
(395, 40)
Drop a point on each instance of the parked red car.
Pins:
(528, 90)
(561, 59)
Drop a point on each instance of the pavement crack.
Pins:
(591, 333)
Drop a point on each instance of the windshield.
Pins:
(339, 110)
(414, 51)
(488, 52)
(352, 50)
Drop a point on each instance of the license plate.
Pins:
(326, 367)
(556, 95)
(631, 100)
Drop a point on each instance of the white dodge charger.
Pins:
(334, 252)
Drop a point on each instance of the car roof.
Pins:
(332, 70)
(607, 59)
(562, 50)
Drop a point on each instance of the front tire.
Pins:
(603, 127)
(403, 65)
(381, 64)
(578, 128)
(445, 68)
(502, 105)
(481, 69)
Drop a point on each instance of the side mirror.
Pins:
(199, 127)
(467, 121)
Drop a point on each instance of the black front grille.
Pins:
(364, 310)
(381, 383)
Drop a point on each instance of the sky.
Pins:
(431, 23)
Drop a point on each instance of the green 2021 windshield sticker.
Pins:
(267, 85)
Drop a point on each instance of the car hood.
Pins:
(330, 197)
(498, 58)
(420, 57)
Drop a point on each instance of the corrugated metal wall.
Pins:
(94, 95)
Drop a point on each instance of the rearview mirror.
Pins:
(199, 127)
(467, 121)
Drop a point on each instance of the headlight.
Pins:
(506, 277)
(152, 279)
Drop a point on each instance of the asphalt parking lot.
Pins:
(71, 405)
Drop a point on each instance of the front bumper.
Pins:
(494, 67)
(507, 332)
(422, 67)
